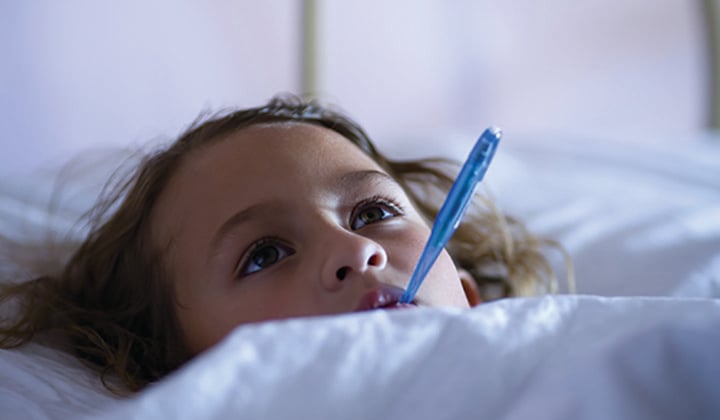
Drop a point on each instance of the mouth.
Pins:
(384, 297)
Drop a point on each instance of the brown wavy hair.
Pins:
(112, 302)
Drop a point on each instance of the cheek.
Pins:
(199, 331)
(405, 245)
(408, 247)
(442, 286)
(447, 270)
(207, 314)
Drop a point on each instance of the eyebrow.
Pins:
(344, 183)
(351, 179)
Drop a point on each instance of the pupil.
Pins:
(265, 256)
(372, 215)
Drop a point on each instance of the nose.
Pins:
(348, 255)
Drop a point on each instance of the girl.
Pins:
(280, 211)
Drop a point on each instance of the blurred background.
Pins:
(83, 73)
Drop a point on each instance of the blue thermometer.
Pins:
(454, 207)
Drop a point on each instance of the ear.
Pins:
(470, 287)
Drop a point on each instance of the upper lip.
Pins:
(381, 297)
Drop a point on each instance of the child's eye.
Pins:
(263, 254)
(373, 210)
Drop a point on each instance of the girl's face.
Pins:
(287, 220)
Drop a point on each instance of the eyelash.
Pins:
(261, 244)
(283, 250)
(386, 203)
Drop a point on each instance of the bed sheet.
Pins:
(563, 357)
(541, 358)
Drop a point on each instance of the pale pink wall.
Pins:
(82, 72)
(78, 73)
(630, 71)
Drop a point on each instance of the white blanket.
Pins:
(559, 357)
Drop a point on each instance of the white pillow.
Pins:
(37, 382)
(639, 219)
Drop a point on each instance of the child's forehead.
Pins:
(285, 141)
(274, 153)
(286, 129)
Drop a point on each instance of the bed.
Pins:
(639, 339)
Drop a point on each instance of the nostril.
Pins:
(375, 260)
(341, 273)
